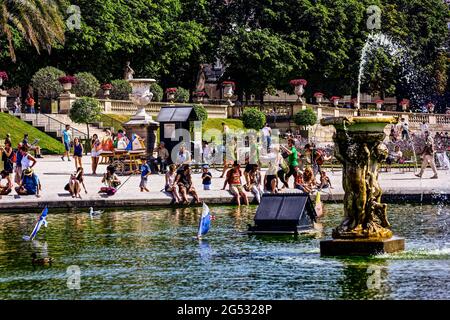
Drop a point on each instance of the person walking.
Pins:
(405, 129)
(66, 140)
(428, 156)
(267, 134)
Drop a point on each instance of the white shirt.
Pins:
(266, 131)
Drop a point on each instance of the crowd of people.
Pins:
(293, 164)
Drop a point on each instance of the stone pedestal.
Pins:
(145, 129)
(3, 100)
(361, 247)
(66, 101)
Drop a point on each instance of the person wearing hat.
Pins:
(206, 177)
(30, 184)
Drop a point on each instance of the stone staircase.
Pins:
(54, 124)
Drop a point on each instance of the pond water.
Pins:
(151, 254)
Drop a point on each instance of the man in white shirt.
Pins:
(423, 128)
(267, 134)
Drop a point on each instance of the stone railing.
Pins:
(127, 107)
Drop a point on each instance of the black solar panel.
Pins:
(174, 114)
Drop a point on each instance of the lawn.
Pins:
(17, 128)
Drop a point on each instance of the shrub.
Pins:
(305, 118)
(157, 92)
(201, 113)
(85, 110)
(121, 90)
(87, 85)
(253, 118)
(182, 95)
(45, 81)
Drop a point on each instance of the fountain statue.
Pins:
(365, 228)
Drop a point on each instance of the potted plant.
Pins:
(106, 87)
(67, 82)
(228, 90)
(3, 77)
(318, 96)
(299, 89)
(335, 100)
(379, 104)
(170, 92)
(200, 95)
(404, 104)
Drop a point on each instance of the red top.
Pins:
(234, 177)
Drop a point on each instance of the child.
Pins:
(5, 189)
(75, 183)
(324, 181)
(77, 153)
(206, 178)
(111, 180)
(145, 172)
(298, 181)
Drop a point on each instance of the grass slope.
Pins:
(17, 128)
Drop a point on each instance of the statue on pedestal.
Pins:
(128, 72)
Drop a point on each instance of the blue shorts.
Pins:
(67, 145)
(206, 187)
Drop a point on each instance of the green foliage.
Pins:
(305, 117)
(121, 90)
(253, 118)
(201, 113)
(182, 95)
(17, 128)
(157, 91)
(45, 81)
(87, 85)
(85, 110)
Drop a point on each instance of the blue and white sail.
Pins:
(205, 222)
(42, 221)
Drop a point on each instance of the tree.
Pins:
(45, 81)
(87, 85)
(39, 22)
(253, 118)
(305, 118)
(200, 112)
(121, 90)
(182, 95)
(157, 91)
(85, 110)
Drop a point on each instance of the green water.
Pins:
(150, 254)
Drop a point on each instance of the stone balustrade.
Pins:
(128, 108)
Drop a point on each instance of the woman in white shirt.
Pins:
(270, 179)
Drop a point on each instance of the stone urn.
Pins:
(319, 97)
(299, 91)
(1, 81)
(335, 101)
(359, 147)
(141, 123)
(107, 92)
(67, 87)
(228, 91)
(379, 104)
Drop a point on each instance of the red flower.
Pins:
(171, 90)
(298, 82)
(227, 83)
(404, 101)
(200, 94)
(335, 98)
(68, 79)
(107, 86)
(3, 75)
(318, 94)
(379, 101)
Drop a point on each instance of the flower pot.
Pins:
(67, 86)
(336, 103)
(171, 96)
(379, 105)
(299, 90)
(106, 93)
(1, 81)
(319, 100)
(228, 92)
